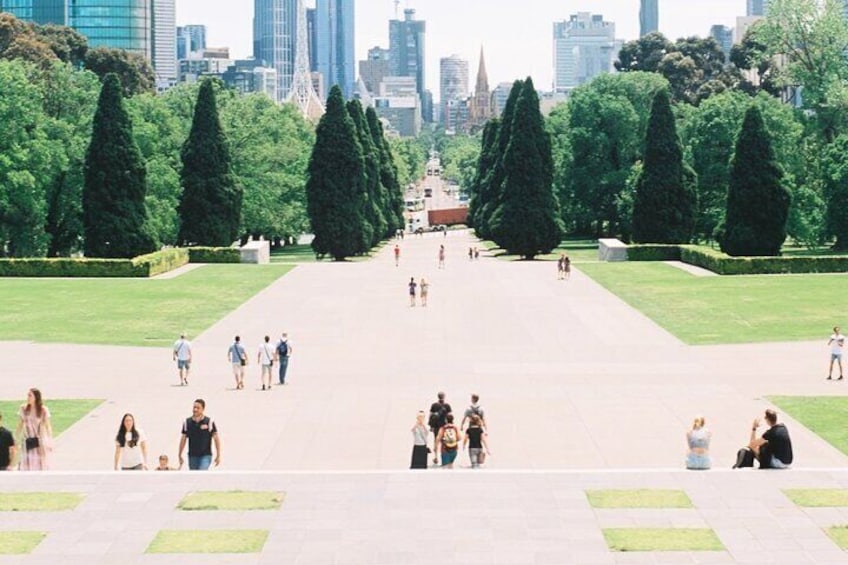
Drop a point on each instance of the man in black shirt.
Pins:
(774, 449)
(200, 431)
(438, 417)
(7, 448)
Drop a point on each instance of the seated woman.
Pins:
(698, 441)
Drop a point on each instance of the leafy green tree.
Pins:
(114, 214)
(644, 54)
(133, 69)
(527, 220)
(757, 201)
(480, 190)
(835, 164)
(410, 158)
(394, 202)
(459, 159)
(665, 203)
(334, 186)
(66, 43)
(751, 54)
(375, 193)
(210, 205)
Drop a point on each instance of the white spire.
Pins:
(302, 92)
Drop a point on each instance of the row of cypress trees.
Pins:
(512, 197)
(114, 213)
(354, 200)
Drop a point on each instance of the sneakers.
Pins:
(263, 387)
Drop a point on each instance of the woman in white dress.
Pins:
(130, 446)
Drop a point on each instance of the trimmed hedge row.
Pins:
(143, 266)
(655, 252)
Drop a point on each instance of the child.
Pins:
(163, 464)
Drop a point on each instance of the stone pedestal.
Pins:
(256, 252)
(612, 250)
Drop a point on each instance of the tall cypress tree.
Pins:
(114, 214)
(210, 204)
(334, 187)
(666, 198)
(393, 203)
(527, 219)
(374, 192)
(480, 192)
(495, 179)
(757, 200)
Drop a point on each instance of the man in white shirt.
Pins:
(836, 343)
(182, 355)
(265, 358)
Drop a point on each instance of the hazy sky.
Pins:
(516, 35)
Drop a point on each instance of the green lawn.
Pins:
(641, 498)
(818, 498)
(293, 254)
(19, 543)
(233, 500)
(839, 535)
(39, 501)
(579, 250)
(208, 541)
(823, 415)
(728, 309)
(662, 539)
(128, 311)
(63, 413)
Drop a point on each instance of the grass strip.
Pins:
(232, 500)
(662, 539)
(39, 501)
(823, 415)
(208, 541)
(638, 498)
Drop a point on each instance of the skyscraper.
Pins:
(724, 37)
(122, 24)
(757, 8)
(584, 47)
(649, 17)
(312, 32)
(274, 39)
(334, 26)
(190, 39)
(38, 11)
(375, 68)
(406, 48)
(164, 48)
(453, 87)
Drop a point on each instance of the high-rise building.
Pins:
(334, 26)
(406, 47)
(500, 95)
(121, 24)
(757, 8)
(191, 39)
(274, 39)
(724, 37)
(164, 49)
(312, 40)
(375, 68)
(250, 75)
(38, 11)
(649, 17)
(584, 47)
(453, 78)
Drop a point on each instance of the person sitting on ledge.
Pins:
(698, 441)
(773, 449)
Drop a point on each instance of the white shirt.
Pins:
(183, 349)
(266, 353)
(132, 456)
(836, 343)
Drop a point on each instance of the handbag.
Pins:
(31, 443)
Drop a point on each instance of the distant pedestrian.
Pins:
(283, 352)
(473, 409)
(200, 431)
(567, 267)
(419, 443)
(182, 355)
(837, 344)
(561, 267)
(36, 432)
(265, 358)
(237, 356)
(130, 446)
(445, 231)
(476, 253)
(412, 290)
(475, 439)
(470, 253)
(447, 442)
(441, 256)
(397, 255)
(7, 448)
(425, 289)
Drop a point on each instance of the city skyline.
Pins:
(463, 27)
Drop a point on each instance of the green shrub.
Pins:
(656, 252)
(214, 255)
(725, 265)
(66, 267)
(160, 262)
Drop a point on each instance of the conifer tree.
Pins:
(480, 191)
(210, 204)
(114, 213)
(757, 200)
(334, 187)
(393, 203)
(373, 187)
(527, 218)
(666, 198)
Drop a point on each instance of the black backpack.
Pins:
(283, 349)
(437, 418)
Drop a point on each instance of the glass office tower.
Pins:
(274, 39)
(121, 24)
(334, 23)
(38, 11)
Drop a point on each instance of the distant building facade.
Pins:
(482, 108)
(649, 17)
(274, 39)
(757, 8)
(584, 47)
(376, 67)
(406, 47)
(249, 76)
(191, 40)
(724, 37)
(334, 32)
(453, 87)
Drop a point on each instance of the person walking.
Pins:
(130, 446)
(567, 267)
(473, 409)
(200, 432)
(441, 256)
(561, 267)
(447, 442)
(281, 356)
(34, 424)
(476, 253)
(7, 448)
(265, 359)
(419, 443)
(237, 357)
(425, 289)
(837, 344)
(438, 416)
(182, 355)
(470, 253)
(412, 290)
(475, 439)
(397, 255)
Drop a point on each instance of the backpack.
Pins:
(450, 439)
(283, 349)
(476, 411)
(437, 418)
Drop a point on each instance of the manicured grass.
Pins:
(208, 541)
(662, 539)
(233, 500)
(293, 254)
(63, 413)
(39, 501)
(823, 415)
(839, 535)
(128, 311)
(641, 498)
(729, 309)
(818, 497)
(578, 250)
(19, 543)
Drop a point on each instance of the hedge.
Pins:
(722, 264)
(214, 255)
(161, 262)
(656, 252)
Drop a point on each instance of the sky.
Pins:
(516, 35)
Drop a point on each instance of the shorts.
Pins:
(449, 457)
(835, 356)
(238, 368)
(183, 364)
(266, 370)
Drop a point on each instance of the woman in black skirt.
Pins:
(419, 445)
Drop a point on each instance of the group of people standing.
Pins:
(471, 433)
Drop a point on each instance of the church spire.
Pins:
(482, 75)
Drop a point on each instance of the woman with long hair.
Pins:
(130, 446)
(419, 443)
(36, 432)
